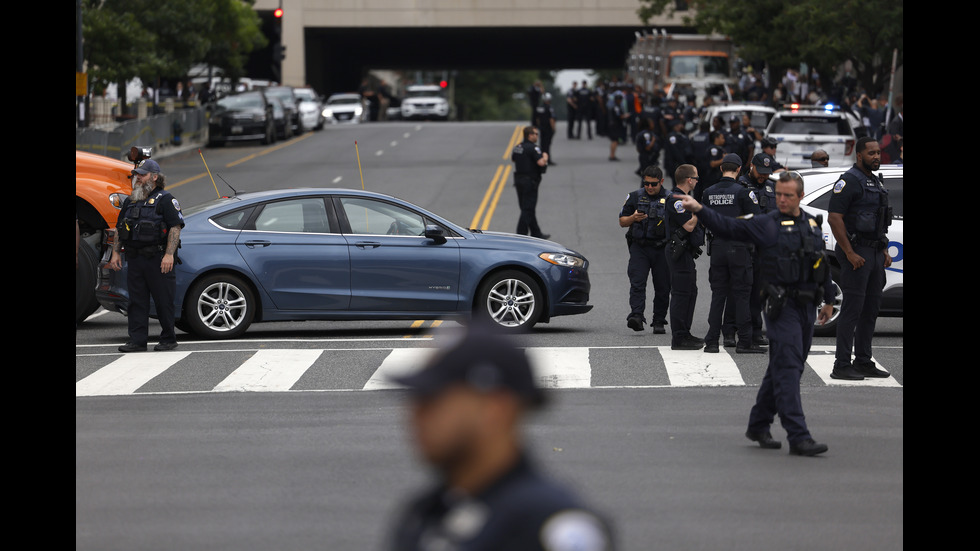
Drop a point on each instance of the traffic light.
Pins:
(278, 52)
(277, 13)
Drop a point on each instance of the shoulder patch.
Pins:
(839, 186)
(574, 530)
(519, 148)
(176, 204)
(672, 139)
(679, 206)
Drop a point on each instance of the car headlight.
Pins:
(562, 259)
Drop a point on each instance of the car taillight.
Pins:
(848, 147)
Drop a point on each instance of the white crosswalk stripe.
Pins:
(278, 370)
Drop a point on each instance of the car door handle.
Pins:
(366, 244)
(254, 244)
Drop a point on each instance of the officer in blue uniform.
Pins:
(711, 162)
(643, 214)
(730, 272)
(677, 150)
(529, 164)
(686, 241)
(797, 279)
(148, 233)
(647, 145)
(859, 216)
(467, 405)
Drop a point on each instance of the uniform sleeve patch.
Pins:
(574, 531)
(753, 197)
(679, 207)
(176, 204)
(839, 186)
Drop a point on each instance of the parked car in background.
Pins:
(311, 107)
(801, 130)
(345, 108)
(818, 188)
(425, 101)
(291, 103)
(247, 259)
(241, 117)
(282, 120)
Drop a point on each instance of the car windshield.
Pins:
(281, 93)
(759, 119)
(242, 101)
(810, 125)
(346, 100)
(424, 93)
(305, 94)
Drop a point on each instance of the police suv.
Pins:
(803, 129)
(818, 188)
(425, 102)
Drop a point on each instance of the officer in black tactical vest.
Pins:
(466, 411)
(148, 234)
(859, 216)
(686, 241)
(797, 280)
(529, 164)
(544, 119)
(646, 236)
(730, 272)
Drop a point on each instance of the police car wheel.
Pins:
(512, 300)
(829, 329)
(220, 306)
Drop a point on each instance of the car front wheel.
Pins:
(220, 306)
(511, 300)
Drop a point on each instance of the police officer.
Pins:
(819, 159)
(466, 410)
(711, 161)
(797, 279)
(769, 146)
(643, 215)
(148, 233)
(583, 110)
(647, 145)
(530, 162)
(730, 271)
(686, 241)
(677, 150)
(737, 141)
(544, 120)
(571, 107)
(859, 217)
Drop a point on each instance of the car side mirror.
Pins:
(435, 233)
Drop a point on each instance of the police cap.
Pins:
(148, 166)
(762, 163)
(482, 360)
(731, 158)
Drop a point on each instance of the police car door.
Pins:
(394, 267)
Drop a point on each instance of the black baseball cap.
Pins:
(147, 167)
(482, 359)
(731, 158)
(763, 163)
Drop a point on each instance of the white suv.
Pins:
(801, 130)
(424, 101)
(818, 186)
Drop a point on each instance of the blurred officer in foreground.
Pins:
(859, 216)
(643, 214)
(148, 233)
(797, 279)
(467, 406)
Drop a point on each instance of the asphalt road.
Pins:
(175, 465)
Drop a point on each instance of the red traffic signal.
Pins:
(443, 84)
(277, 13)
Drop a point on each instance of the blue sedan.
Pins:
(342, 254)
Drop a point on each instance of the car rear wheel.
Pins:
(829, 329)
(511, 300)
(220, 306)
(85, 278)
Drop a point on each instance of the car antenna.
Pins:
(209, 173)
(358, 153)
(233, 190)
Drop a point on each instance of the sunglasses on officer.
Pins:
(653, 183)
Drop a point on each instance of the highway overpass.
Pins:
(330, 44)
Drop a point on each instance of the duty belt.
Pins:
(876, 243)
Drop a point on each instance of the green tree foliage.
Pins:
(821, 33)
(490, 95)
(126, 39)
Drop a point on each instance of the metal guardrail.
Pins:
(173, 127)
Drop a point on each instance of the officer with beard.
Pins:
(859, 216)
(148, 234)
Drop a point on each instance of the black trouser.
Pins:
(862, 289)
(580, 117)
(545, 144)
(527, 199)
(728, 327)
(730, 277)
(145, 281)
(790, 336)
(647, 260)
(683, 294)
